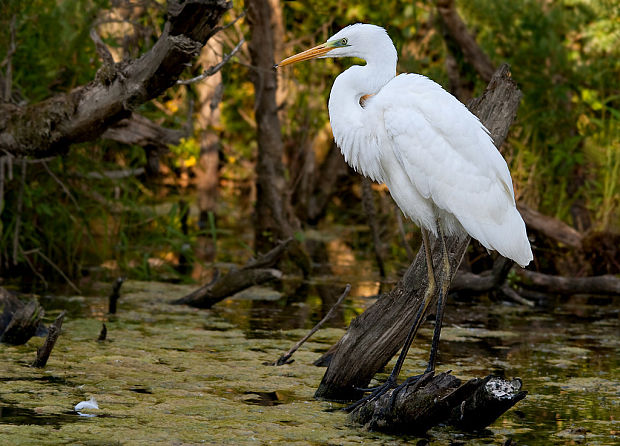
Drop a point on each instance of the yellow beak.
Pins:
(312, 53)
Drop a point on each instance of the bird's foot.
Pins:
(376, 392)
(380, 390)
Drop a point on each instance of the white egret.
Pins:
(436, 158)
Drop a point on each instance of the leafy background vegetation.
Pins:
(564, 149)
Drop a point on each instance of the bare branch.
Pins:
(284, 359)
(213, 69)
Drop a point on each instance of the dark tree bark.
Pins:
(50, 127)
(274, 219)
(375, 336)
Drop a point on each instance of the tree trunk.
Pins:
(273, 216)
(209, 93)
(375, 336)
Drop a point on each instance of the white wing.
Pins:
(449, 157)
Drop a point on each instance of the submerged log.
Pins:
(374, 337)
(18, 321)
(254, 272)
(440, 399)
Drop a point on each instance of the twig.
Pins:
(43, 353)
(32, 267)
(284, 359)
(101, 48)
(61, 184)
(53, 265)
(213, 69)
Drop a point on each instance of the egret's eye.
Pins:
(344, 41)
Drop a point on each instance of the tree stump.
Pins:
(440, 399)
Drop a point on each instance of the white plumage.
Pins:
(436, 158)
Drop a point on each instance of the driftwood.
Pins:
(18, 321)
(51, 126)
(440, 399)
(43, 353)
(254, 272)
(374, 337)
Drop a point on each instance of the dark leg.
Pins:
(441, 301)
(428, 296)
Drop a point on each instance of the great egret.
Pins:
(436, 158)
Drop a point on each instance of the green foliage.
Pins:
(565, 55)
(564, 148)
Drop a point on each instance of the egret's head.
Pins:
(360, 40)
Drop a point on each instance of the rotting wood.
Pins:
(43, 352)
(375, 336)
(440, 399)
(254, 272)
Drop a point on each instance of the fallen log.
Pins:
(254, 272)
(605, 284)
(416, 407)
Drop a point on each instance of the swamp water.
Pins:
(175, 375)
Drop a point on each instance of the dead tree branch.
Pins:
(213, 69)
(51, 126)
(458, 31)
(254, 272)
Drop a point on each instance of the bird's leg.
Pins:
(441, 300)
(428, 296)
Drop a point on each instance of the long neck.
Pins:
(346, 114)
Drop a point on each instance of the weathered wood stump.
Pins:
(440, 399)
